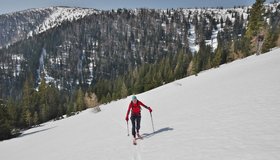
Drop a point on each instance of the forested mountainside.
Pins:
(107, 44)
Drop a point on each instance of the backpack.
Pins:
(135, 108)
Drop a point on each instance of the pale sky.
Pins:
(7, 6)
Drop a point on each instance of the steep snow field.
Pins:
(228, 113)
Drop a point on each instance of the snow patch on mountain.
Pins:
(59, 15)
(218, 15)
(194, 47)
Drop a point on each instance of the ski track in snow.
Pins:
(228, 113)
(137, 151)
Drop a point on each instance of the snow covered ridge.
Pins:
(27, 23)
(20, 25)
(59, 15)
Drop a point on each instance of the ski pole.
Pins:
(152, 121)
(127, 128)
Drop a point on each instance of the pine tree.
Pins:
(5, 124)
(12, 111)
(179, 70)
(256, 21)
(25, 117)
(109, 97)
(42, 89)
(35, 119)
(80, 100)
(70, 109)
(27, 91)
(191, 68)
(44, 112)
(217, 57)
(124, 91)
(28, 118)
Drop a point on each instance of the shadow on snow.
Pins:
(27, 134)
(148, 135)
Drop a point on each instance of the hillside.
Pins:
(24, 24)
(72, 48)
(228, 113)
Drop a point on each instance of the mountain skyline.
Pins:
(14, 5)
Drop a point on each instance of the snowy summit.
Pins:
(59, 15)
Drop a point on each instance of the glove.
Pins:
(150, 109)
(126, 118)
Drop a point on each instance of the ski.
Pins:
(134, 141)
(139, 136)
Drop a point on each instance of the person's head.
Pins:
(134, 99)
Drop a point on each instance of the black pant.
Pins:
(135, 120)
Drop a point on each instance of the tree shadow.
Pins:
(148, 135)
(28, 134)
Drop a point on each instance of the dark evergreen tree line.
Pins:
(144, 78)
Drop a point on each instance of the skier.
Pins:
(135, 107)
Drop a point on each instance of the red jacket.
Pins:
(135, 108)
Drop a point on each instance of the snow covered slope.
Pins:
(228, 113)
(59, 15)
(23, 24)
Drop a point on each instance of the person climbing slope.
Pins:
(135, 108)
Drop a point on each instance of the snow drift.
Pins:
(228, 113)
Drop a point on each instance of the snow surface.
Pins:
(194, 47)
(228, 113)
